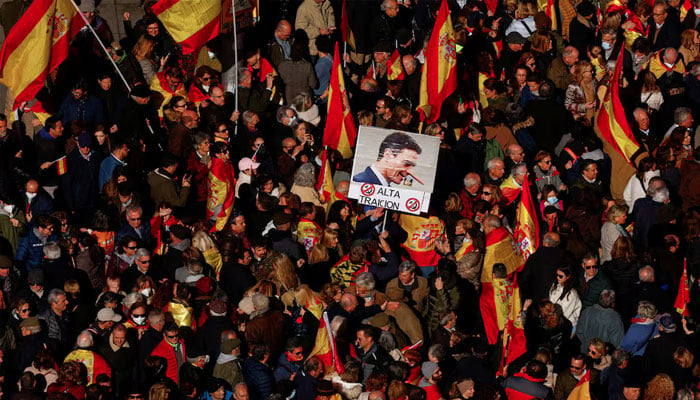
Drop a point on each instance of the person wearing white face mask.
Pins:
(12, 221)
(35, 201)
(140, 267)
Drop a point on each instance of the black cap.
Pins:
(180, 232)
(141, 91)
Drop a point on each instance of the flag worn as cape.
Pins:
(439, 76)
(514, 343)
(159, 84)
(191, 23)
(527, 228)
(221, 185)
(36, 45)
(340, 132)
(582, 390)
(324, 345)
(683, 296)
(308, 233)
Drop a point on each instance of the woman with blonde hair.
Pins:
(204, 243)
(651, 93)
(581, 93)
(598, 354)
(612, 229)
(660, 388)
(690, 46)
(643, 329)
(159, 391)
(284, 275)
(143, 51)
(365, 117)
(322, 257)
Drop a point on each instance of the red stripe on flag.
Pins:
(31, 90)
(23, 27)
(163, 5)
(208, 32)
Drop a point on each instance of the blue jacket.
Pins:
(285, 368)
(88, 110)
(259, 379)
(144, 239)
(30, 250)
(227, 395)
(106, 169)
(367, 176)
(638, 336)
(80, 183)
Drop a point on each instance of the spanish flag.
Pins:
(493, 303)
(345, 30)
(527, 228)
(510, 189)
(582, 390)
(439, 77)
(514, 343)
(37, 45)
(500, 247)
(422, 234)
(61, 166)
(191, 23)
(611, 122)
(394, 68)
(324, 182)
(340, 132)
(683, 296)
(324, 345)
(308, 233)
(685, 7)
(159, 84)
(220, 192)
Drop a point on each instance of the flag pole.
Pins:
(235, 60)
(345, 51)
(109, 57)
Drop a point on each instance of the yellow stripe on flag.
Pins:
(187, 17)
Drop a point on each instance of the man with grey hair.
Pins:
(96, 365)
(600, 321)
(495, 172)
(647, 209)
(56, 319)
(470, 194)
(617, 373)
(56, 268)
(642, 130)
(414, 286)
(559, 70)
(682, 117)
(135, 226)
(647, 289)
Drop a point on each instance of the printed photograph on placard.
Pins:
(402, 160)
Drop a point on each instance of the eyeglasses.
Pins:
(135, 219)
(592, 352)
(180, 105)
(547, 162)
(297, 353)
(175, 336)
(561, 276)
(222, 130)
(138, 315)
(486, 193)
(145, 261)
(206, 78)
(575, 367)
(379, 107)
(132, 247)
(135, 396)
(24, 310)
(589, 267)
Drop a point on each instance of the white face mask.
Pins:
(31, 195)
(697, 11)
(552, 200)
(210, 54)
(140, 320)
(146, 292)
(669, 65)
(8, 208)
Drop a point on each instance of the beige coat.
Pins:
(312, 17)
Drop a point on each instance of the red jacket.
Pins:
(165, 350)
(468, 203)
(199, 178)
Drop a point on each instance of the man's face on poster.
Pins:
(399, 165)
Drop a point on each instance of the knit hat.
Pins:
(107, 314)
(217, 307)
(141, 91)
(214, 384)
(247, 163)
(84, 140)
(379, 320)
(31, 322)
(667, 322)
(515, 38)
(87, 6)
(280, 218)
(428, 368)
(180, 232)
(35, 277)
(5, 262)
(395, 294)
(246, 305)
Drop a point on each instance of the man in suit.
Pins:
(398, 154)
(664, 32)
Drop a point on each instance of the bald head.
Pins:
(409, 63)
(190, 119)
(646, 274)
(348, 302)
(283, 30)
(515, 152)
(551, 239)
(670, 55)
(32, 186)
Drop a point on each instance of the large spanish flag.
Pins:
(683, 296)
(324, 182)
(394, 69)
(582, 390)
(422, 234)
(611, 122)
(527, 227)
(500, 247)
(439, 77)
(221, 186)
(510, 189)
(324, 345)
(345, 30)
(340, 132)
(190, 22)
(37, 45)
(514, 342)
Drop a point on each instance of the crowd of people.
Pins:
(124, 275)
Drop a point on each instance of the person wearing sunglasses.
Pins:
(290, 363)
(546, 173)
(592, 281)
(172, 349)
(570, 377)
(136, 227)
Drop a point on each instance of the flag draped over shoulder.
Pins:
(611, 122)
(220, 192)
(683, 296)
(439, 76)
(324, 346)
(340, 132)
(308, 234)
(345, 30)
(37, 45)
(514, 343)
(500, 247)
(582, 390)
(527, 228)
(324, 182)
(394, 68)
(191, 23)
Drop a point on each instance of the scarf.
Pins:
(224, 358)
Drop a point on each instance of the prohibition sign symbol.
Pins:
(367, 189)
(412, 204)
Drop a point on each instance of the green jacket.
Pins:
(10, 232)
(165, 190)
(229, 371)
(590, 291)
